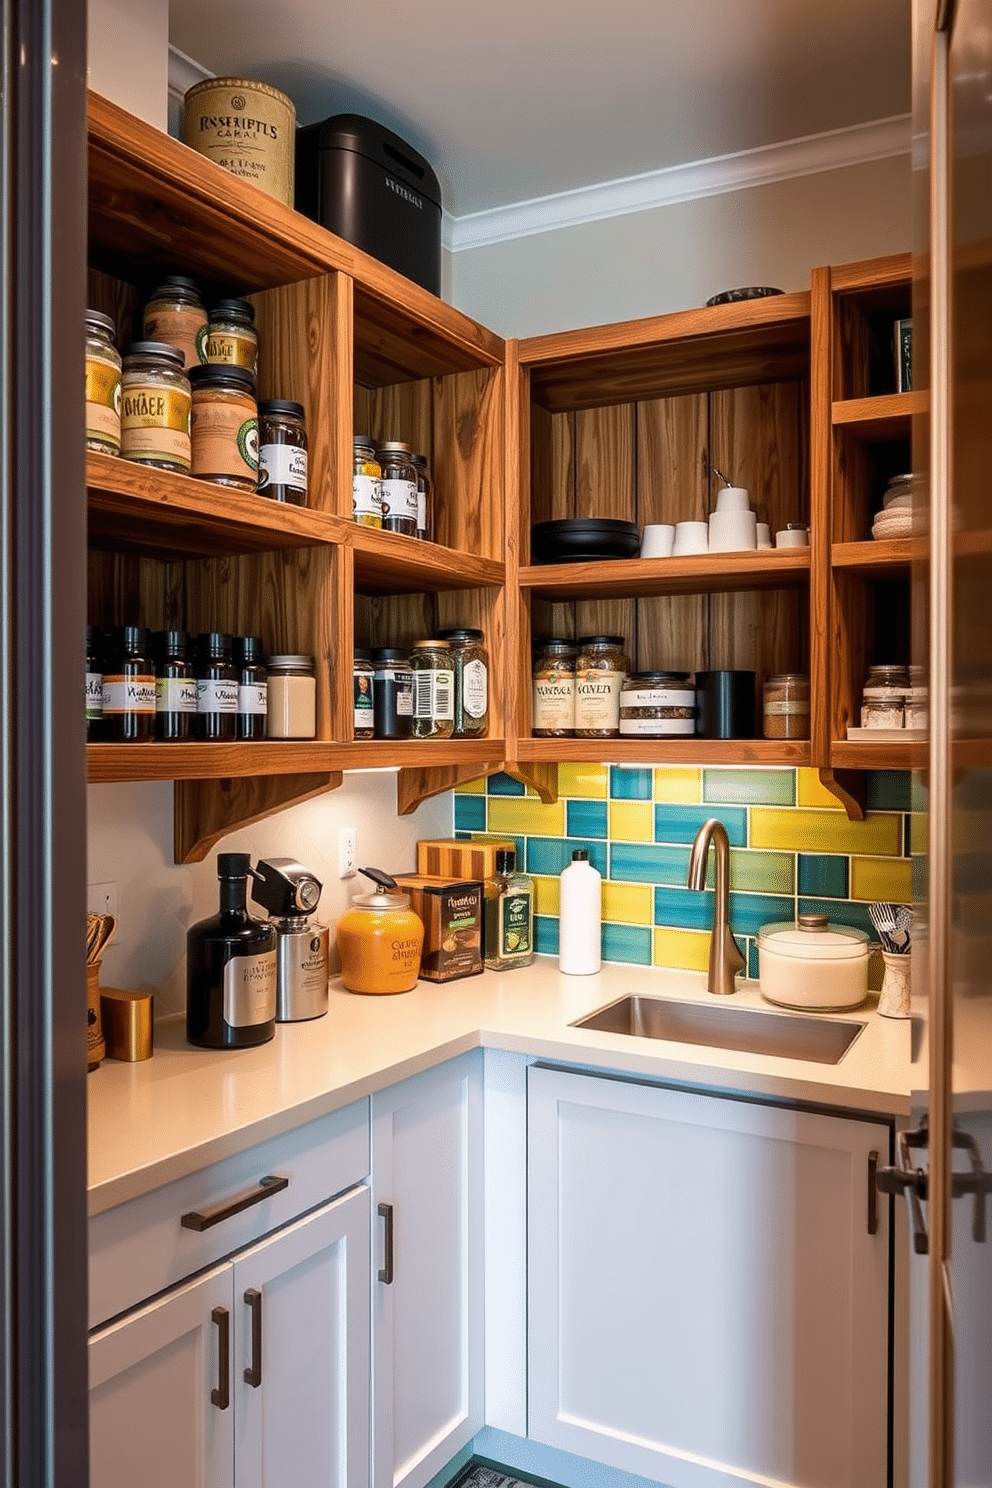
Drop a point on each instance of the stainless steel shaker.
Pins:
(291, 893)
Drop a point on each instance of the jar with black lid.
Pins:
(155, 407)
(364, 683)
(103, 385)
(224, 426)
(392, 693)
(554, 690)
(282, 451)
(399, 487)
(177, 315)
(600, 667)
(216, 688)
(175, 687)
(231, 336)
(129, 688)
(366, 484)
(657, 705)
(470, 662)
(94, 683)
(425, 498)
(433, 690)
(253, 689)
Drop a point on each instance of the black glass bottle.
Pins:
(216, 688)
(175, 687)
(249, 663)
(94, 683)
(128, 688)
(231, 968)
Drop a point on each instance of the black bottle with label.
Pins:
(231, 968)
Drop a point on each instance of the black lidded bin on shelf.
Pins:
(364, 183)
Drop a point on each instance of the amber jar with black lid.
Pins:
(129, 688)
(282, 451)
(216, 688)
(231, 335)
(224, 427)
(399, 487)
(253, 686)
(175, 687)
(177, 315)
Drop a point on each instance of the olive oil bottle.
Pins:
(231, 968)
(509, 915)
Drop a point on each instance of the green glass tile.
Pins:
(841, 912)
(630, 784)
(585, 818)
(889, 790)
(641, 862)
(750, 787)
(502, 784)
(546, 935)
(748, 912)
(681, 823)
(630, 943)
(825, 874)
(752, 959)
(755, 872)
(470, 813)
(551, 854)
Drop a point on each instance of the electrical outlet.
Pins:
(101, 898)
(347, 851)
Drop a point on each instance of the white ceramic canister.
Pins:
(812, 964)
(247, 127)
(580, 917)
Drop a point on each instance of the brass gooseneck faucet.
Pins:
(725, 955)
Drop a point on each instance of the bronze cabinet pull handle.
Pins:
(205, 1219)
(253, 1374)
(221, 1396)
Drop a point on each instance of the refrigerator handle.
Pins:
(977, 1183)
(903, 1178)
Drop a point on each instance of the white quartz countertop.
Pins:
(156, 1121)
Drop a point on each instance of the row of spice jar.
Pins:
(170, 686)
(894, 697)
(437, 690)
(391, 488)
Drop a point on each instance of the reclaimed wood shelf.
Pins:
(880, 558)
(388, 563)
(858, 754)
(879, 420)
(200, 761)
(684, 751)
(634, 578)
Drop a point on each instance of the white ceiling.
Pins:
(526, 98)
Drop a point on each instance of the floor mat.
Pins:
(483, 1475)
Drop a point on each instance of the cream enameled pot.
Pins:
(812, 964)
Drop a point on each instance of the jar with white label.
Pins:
(175, 687)
(282, 451)
(657, 705)
(155, 407)
(103, 385)
(400, 502)
(253, 690)
(470, 662)
(224, 427)
(366, 484)
(231, 336)
(883, 701)
(600, 669)
(786, 706)
(433, 690)
(554, 690)
(216, 688)
(425, 499)
(363, 673)
(292, 695)
(129, 688)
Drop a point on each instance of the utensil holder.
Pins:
(96, 1049)
(893, 999)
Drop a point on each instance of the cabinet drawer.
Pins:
(143, 1246)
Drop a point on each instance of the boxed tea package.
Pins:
(451, 910)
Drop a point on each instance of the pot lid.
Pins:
(812, 938)
(386, 895)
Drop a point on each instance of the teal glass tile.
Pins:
(824, 874)
(683, 909)
(681, 823)
(502, 784)
(643, 862)
(470, 813)
(546, 935)
(550, 855)
(750, 787)
(748, 912)
(519, 843)
(586, 818)
(630, 785)
(631, 943)
(841, 912)
(889, 790)
(752, 959)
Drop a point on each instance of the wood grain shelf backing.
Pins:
(855, 754)
(116, 762)
(879, 420)
(159, 512)
(785, 568)
(157, 203)
(668, 751)
(882, 558)
(690, 351)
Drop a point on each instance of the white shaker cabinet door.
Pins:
(427, 1269)
(301, 1357)
(708, 1286)
(152, 1376)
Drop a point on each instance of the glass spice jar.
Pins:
(177, 315)
(470, 662)
(600, 667)
(103, 385)
(253, 689)
(231, 335)
(364, 678)
(216, 688)
(94, 683)
(554, 690)
(917, 699)
(425, 499)
(883, 700)
(366, 484)
(786, 706)
(399, 487)
(657, 705)
(224, 426)
(282, 451)
(129, 688)
(292, 694)
(155, 407)
(433, 690)
(392, 693)
(175, 687)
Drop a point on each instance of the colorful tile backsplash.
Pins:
(792, 850)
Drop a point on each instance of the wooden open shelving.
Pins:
(709, 573)
(670, 751)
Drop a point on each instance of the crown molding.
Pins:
(880, 139)
(183, 73)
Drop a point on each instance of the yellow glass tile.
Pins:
(790, 830)
(546, 895)
(675, 784)
(810, 791)
(630, 904)
(522, 816)
(885, 879)
(471, 788)
(631, 821)
(591, 782)
(683, 950)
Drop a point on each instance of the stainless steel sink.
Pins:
(811, 1037)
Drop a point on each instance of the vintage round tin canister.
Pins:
(247, 127)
